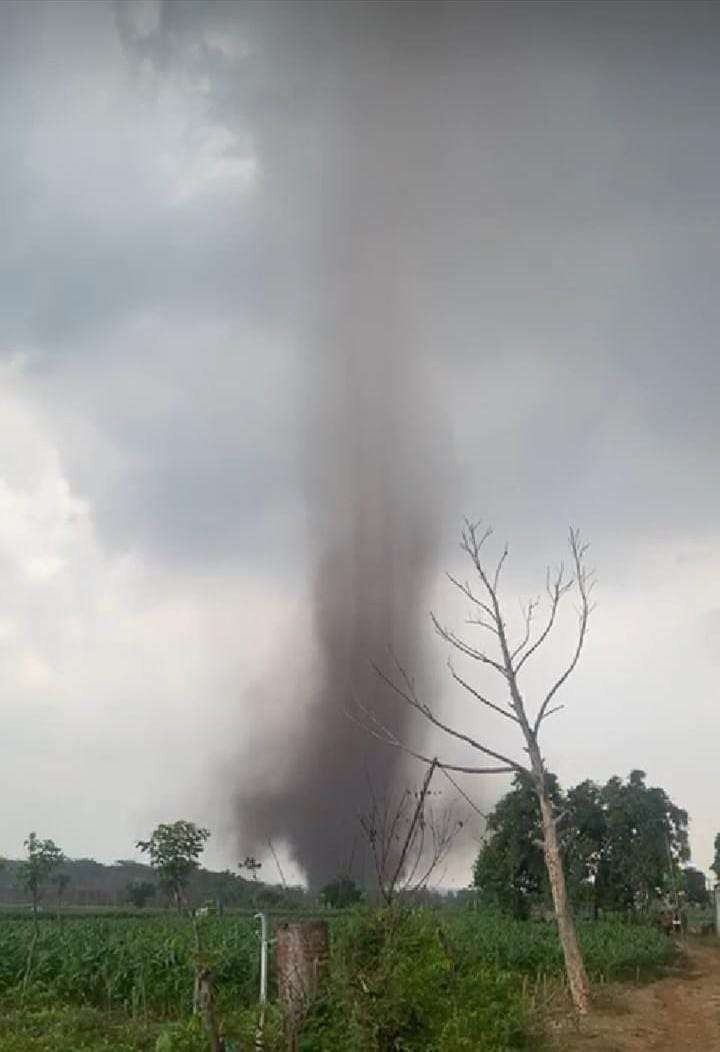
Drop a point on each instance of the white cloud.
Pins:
(121, 682)
(210, 159)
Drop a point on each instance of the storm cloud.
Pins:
(213, 214)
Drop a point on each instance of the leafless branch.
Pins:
(378, 730)
(556, 590)
(467, 591)
(462, 792)
(478, 621)
(407, 693)
(470, 542)
(529, 611)
(408, 839)
(480, 697)
(277, 864)
(585, 582)
(443, 832)
(412, 828)
(499, 567)
(465, 648)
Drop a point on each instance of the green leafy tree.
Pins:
(43, 858)
(221, 887)
(174, 849)
(341, 893)
(60, 882)
(139, 892)
(510, 870)
(646, 843)
(715, 867)
(585, 837)
(267, 898)
(694, 886)
(623, 845)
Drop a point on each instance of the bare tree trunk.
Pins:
(577, 976)
(207, 1009)
(512, 658)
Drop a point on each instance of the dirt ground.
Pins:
(679, 1013)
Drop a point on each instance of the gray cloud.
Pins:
(179, 185)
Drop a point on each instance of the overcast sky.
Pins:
(174, 178)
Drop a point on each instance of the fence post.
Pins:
(260, 1032)
(206, 1004)
(301, 954)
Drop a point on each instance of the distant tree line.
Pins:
(46, 879)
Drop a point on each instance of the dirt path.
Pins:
(680, 1013)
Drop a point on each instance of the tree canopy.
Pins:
(510, 869)
(694, 886)
(341, 892)
(139, 892)
(623, 845)
(174, 849)
(43, 858)
(715, 867)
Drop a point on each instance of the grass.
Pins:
(39, 1027)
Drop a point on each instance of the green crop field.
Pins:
(128, 963)
(126, 982)
(611, 949)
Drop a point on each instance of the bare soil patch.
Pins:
(678, 1013)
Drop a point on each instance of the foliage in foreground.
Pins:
(42, 1026)
(395, 983)
(130, 964)
(411, 980)
(612, 949)
(145, 964)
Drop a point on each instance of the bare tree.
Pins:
(508, 660)
(409, 838)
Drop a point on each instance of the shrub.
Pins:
(395, 984)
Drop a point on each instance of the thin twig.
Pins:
(585, 583)
(464, 794)
(465, 648)
(480, 697)
(426, 711)
(384, 734)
